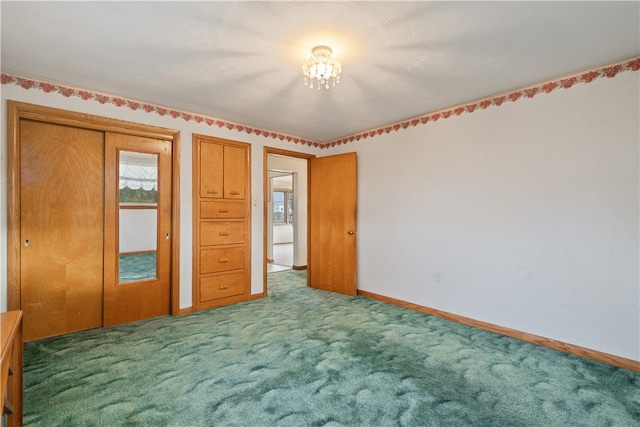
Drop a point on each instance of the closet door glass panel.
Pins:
(137, 216)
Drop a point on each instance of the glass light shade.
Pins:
(321, 68)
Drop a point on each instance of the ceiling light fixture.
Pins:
(321, 68)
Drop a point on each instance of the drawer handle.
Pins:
(223, 233)
(223, 287)
(212, 192)
(234, 193)
(223, 260)
(223, 210)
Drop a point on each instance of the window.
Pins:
(282, 207)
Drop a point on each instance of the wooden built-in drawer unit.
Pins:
(215, 210)
(221, 259)
(221, 286)
(221, 233)
(222, 221)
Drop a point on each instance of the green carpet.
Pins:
(303, 357)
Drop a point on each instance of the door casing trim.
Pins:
(265, 180)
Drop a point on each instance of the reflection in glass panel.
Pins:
(138, 216)
(137, 266)
(290, 207)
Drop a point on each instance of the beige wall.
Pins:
(529, 210)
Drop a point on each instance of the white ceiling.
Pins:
(240, 61)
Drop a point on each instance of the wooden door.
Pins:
(61, 220)
(135, 299)
(235, 172)
(332, 223)
(211, 170)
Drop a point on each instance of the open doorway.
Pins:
(285, 189)
(324, 217)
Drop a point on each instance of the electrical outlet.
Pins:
(438, 276)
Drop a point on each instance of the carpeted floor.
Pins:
(303, 357)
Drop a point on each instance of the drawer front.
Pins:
(221, 233)
(212, 210)
(221, 286)
(215, 260)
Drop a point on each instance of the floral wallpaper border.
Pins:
(608, 71)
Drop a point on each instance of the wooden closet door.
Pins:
(61, 228)
(129, 301)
